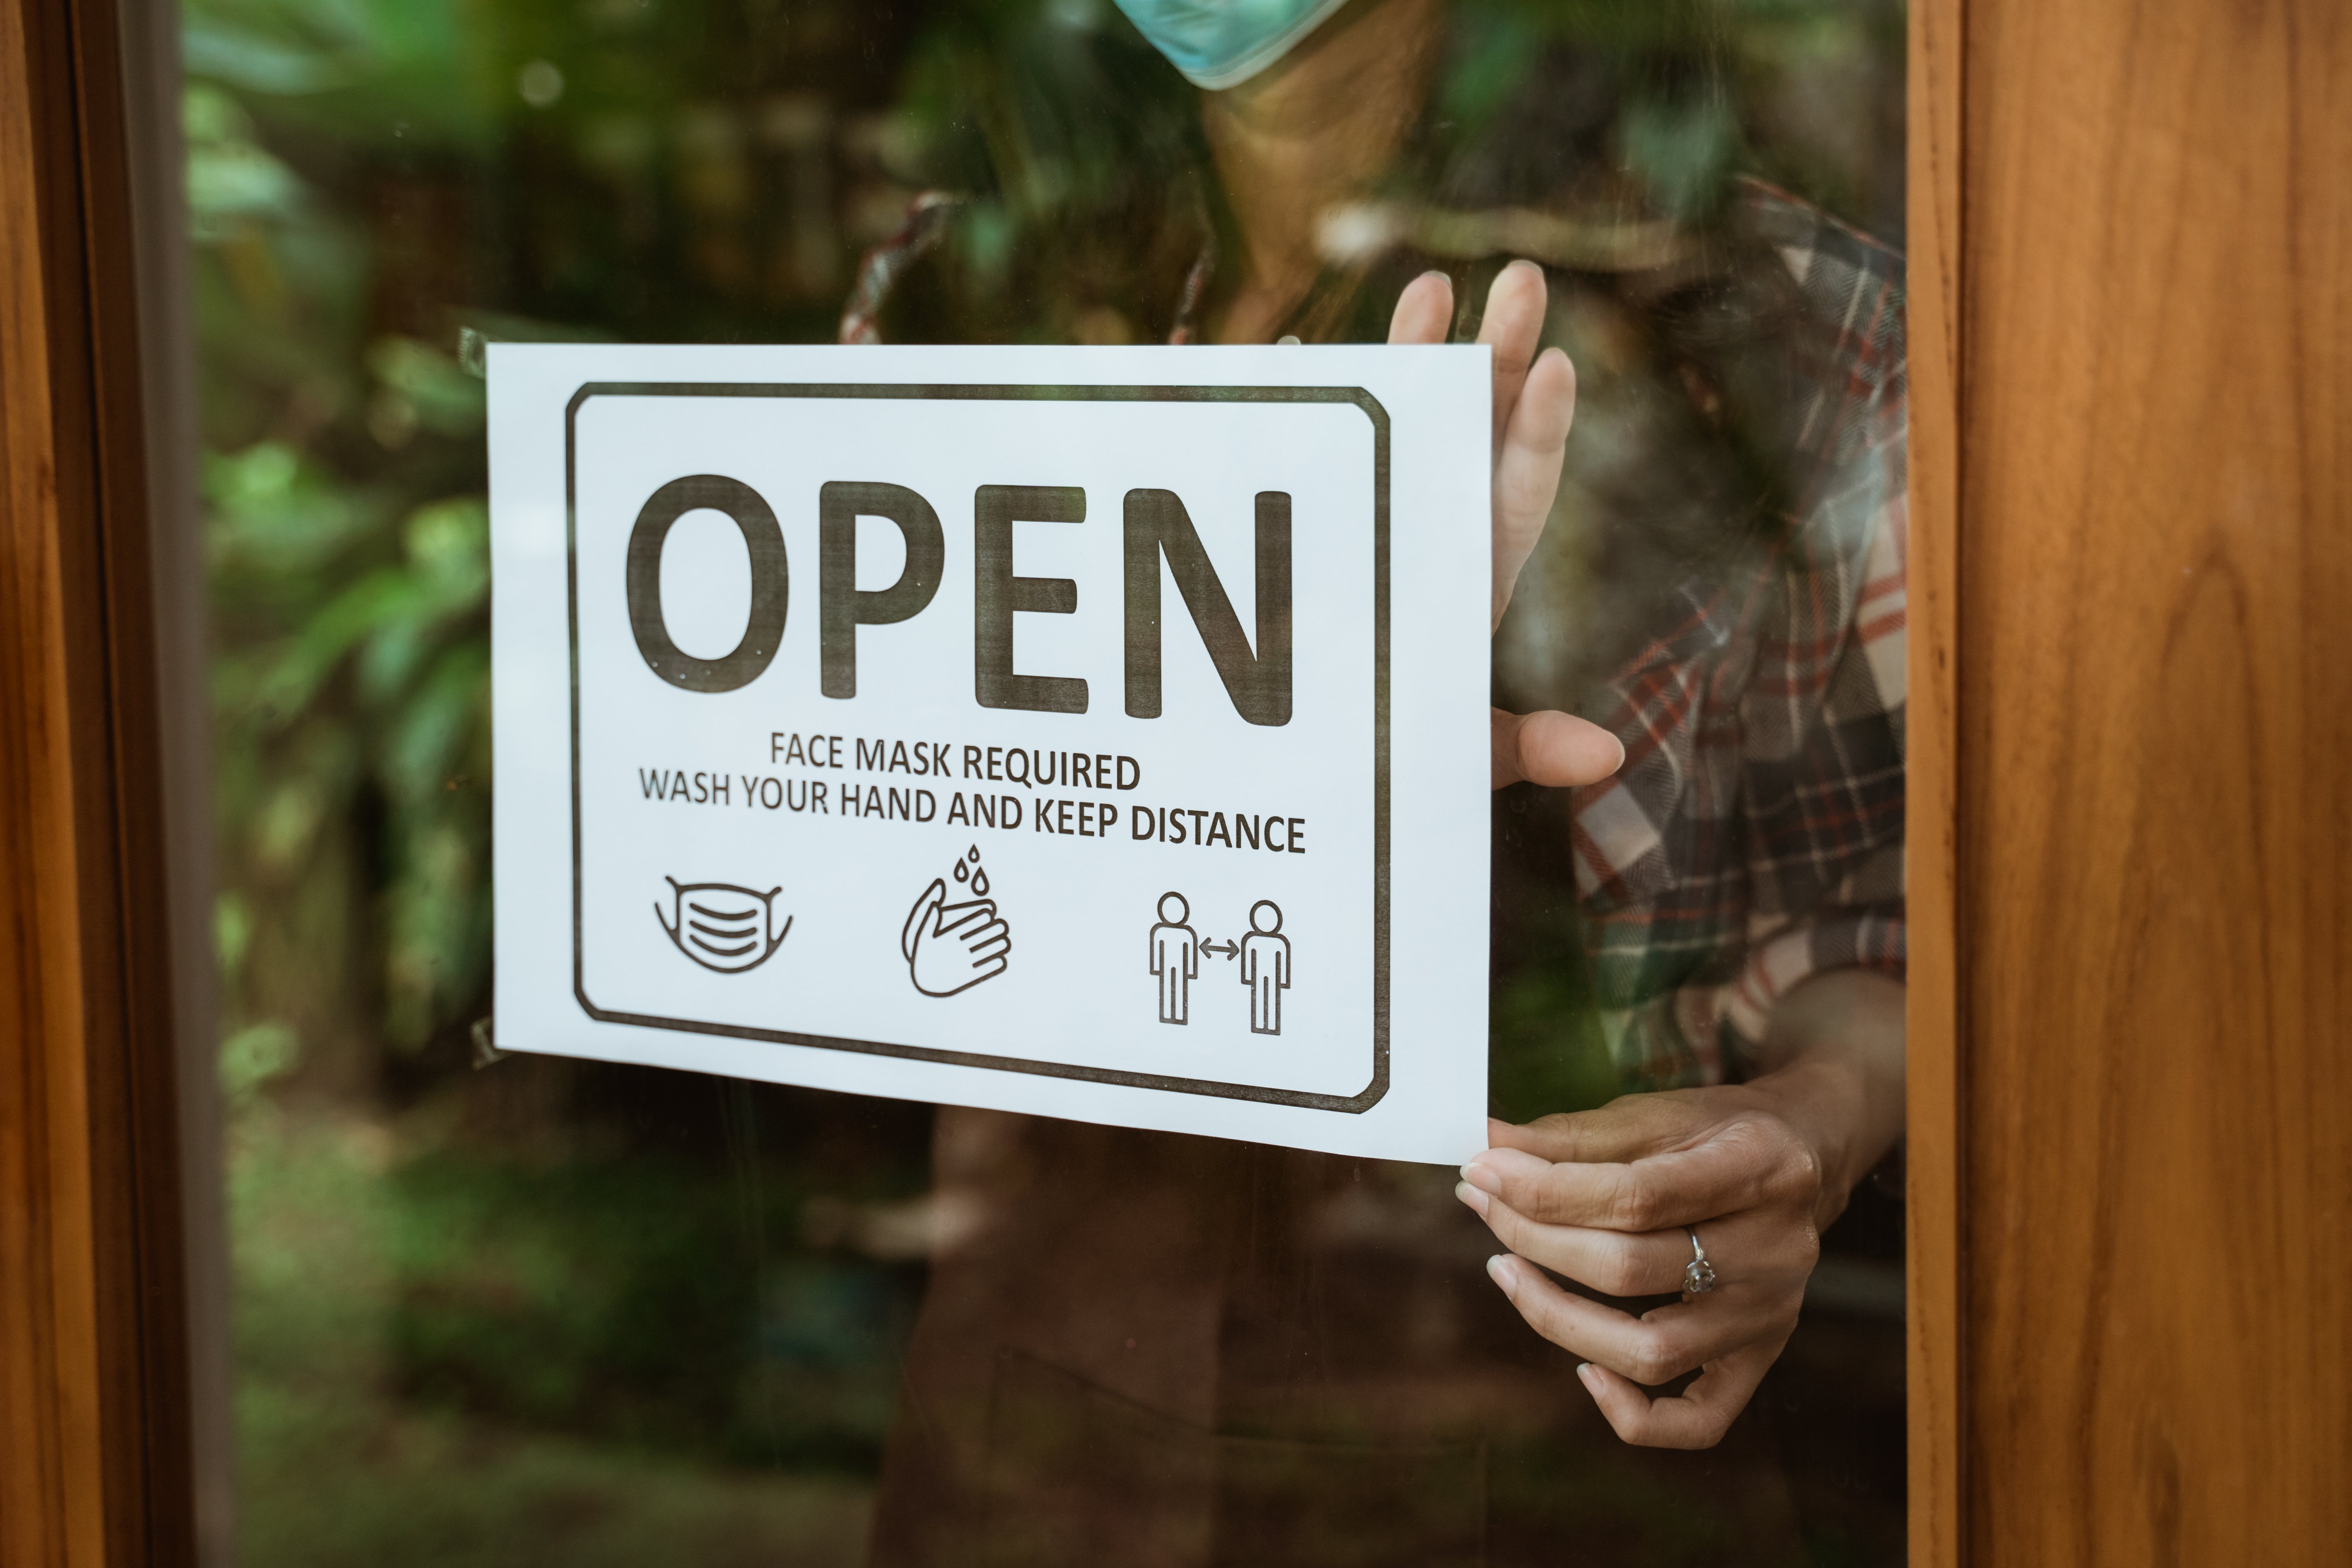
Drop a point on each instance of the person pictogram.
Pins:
(1265, 966)
(1175, 958)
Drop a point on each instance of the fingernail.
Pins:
(1503, 1270)
(1523, 261)
(1587, 1376)
(1439, 272)
(1482, 1178)
(1471, 1196)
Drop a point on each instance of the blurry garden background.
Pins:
(545, 1311)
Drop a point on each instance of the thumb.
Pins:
(1556, 750)
(919, 916)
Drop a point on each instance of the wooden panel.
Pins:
(2155, 759)
(51, 1492)
(1932, 332)
(156, 188)
(93, 1461)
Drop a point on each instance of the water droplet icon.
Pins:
(979, 881)
(960, 873)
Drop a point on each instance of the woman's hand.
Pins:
(1534, 399)
(1607, 1198)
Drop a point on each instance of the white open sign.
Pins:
(1096, 732)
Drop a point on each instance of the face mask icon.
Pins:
(722, 926)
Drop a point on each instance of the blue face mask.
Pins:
(1221, 43)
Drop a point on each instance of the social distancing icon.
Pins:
(1177, 949)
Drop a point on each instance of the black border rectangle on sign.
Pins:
(1365, 1099)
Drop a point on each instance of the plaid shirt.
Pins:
(1754, 835)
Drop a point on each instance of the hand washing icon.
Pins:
(950, 948)
(722, 926)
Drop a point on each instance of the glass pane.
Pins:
(511, 1310)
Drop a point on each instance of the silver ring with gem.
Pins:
(1698, 1274)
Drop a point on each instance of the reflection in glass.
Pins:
(512, 1310)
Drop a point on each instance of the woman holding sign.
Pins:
(1143, 1348)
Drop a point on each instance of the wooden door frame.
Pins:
(2129, 749)
(102, 816)
(1933, 1311)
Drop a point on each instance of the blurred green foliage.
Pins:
(452, 1361)
(366, 177)
(347, 541)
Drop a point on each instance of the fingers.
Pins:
(1625, 1129)
(993, 940)
(1754, 1250)
(1528, 451)
(1743, 1164)
(954, 918)
(912, 931)
(1423, 312)
(1695, 1418)
(1613, 1262)
(1660, 1345)
(1533, 401)
(1555, 749)
(1512, 323)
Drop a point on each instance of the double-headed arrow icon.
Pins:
(1229, 949)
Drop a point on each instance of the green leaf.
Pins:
(255, 1055)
